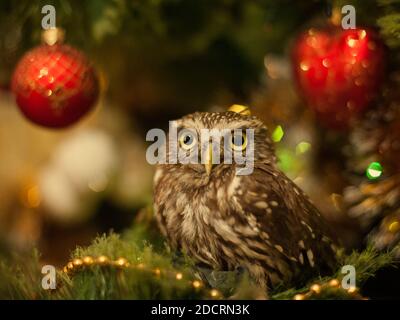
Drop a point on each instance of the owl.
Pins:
(260, 222)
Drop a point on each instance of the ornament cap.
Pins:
(53, 36)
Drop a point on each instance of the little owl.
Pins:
(261, 222)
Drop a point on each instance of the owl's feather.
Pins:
(289, 225)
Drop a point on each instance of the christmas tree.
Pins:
(83, 82)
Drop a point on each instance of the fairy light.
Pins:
(77, 262)
(157, 271)
(179, 276)
(334, 283)
(316, 288)
(121, 262)
(214, 293)
(352, 290)
(103, 261)
(88, 260)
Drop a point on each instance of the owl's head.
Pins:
(208, 143)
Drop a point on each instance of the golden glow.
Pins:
(88, 260)
(52, 36)
(77, 262)
(102, 259)
(326, 63)
(238, 108)
(334, 283)
(43, 72)
(71, 268)
(394, 227)
(121, 262)
(316, 288)
(214, 293)
(299, 297)
(179, 276)
(352, 290)
(157, 271)
(352, 43)
(33, 197)
(304, 66)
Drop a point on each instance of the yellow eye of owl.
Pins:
(239, 141)
(187, 140)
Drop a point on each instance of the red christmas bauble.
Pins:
(338, 72)
(55, 85)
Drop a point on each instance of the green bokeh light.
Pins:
(278, 134)
(374, 171)
(303, 147)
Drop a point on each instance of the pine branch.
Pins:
(366, 264)
(21, 277)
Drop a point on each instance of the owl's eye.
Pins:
(239, 141)
(187, 140)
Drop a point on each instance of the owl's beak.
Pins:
(208, 163)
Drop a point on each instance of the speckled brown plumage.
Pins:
(261, 222)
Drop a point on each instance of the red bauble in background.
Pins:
(338, 72)
(55, 85)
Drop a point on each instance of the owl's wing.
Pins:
(286, 219)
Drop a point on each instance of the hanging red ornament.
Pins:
(54, 84)
(338, 72)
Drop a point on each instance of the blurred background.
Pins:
(157, 60)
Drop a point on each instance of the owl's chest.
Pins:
(189, 215)
(198, 211)
(198, 219)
